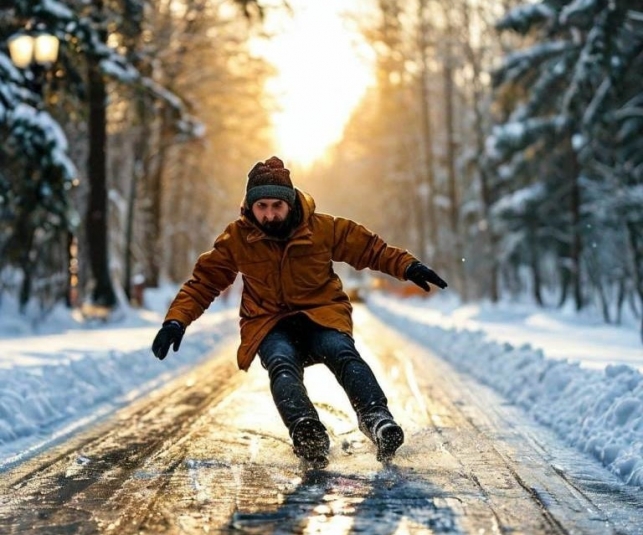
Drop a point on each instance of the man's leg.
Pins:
(281, 358)
(337, 350)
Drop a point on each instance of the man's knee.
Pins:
(280, 359)
(337, 344)
(281, 365)
(276, 347)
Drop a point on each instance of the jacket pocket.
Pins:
(311, 271)
(262, 272)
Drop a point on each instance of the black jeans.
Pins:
(297, 342)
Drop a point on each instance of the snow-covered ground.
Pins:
(572, 373)
(63, 374)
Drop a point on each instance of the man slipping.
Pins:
(293, 310)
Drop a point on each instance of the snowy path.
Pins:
(207, 453)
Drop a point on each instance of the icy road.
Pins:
(208, 454)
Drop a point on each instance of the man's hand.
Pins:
(421, 275)
(171, 333)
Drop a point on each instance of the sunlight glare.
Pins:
(324, 69)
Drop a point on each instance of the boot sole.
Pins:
(389, 438)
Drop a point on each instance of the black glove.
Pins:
(171, 333)
(420, 274)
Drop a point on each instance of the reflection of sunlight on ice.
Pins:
(201, 493)
(254, 448)
(328, 523)
(415, 389)
(195, 470)
(238, 484)
(405, 528)
(334, 516)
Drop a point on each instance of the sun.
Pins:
(323, 68)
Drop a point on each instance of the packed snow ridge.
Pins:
(55, 384)
(597, 411)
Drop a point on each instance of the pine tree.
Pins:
(573, 101)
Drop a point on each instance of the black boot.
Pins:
(310, 441)
(379, 426)
(388, 438)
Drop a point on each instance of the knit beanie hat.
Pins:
(269, 180)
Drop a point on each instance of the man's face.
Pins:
(271, 213)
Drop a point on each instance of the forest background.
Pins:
(500, 142)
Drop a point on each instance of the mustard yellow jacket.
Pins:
(284, 278)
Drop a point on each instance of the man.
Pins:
(293, 310)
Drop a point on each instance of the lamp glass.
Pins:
(21, 48)
(46, 48)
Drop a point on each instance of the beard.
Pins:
(278, 229)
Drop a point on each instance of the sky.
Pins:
(568, 372)
(324, 68)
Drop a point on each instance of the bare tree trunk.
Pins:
(536, 277)
(576, 248)
(154, 190)
(129, 231)
(96, 221)
(26, 232)
(620, 300)
(565, 281)
(474, 57)
(133, 29)
(450, 148)
(139, 174)
(428, 174)
(636, 243)
(449, 93)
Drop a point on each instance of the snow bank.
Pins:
(52, 385)
(597, 411)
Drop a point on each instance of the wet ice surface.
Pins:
(252, 477)
(449, 476)
(335, 502)
(255, 484)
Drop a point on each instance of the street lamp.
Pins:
(34, 51)
(27, 48)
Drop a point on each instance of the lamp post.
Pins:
(35, 52)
